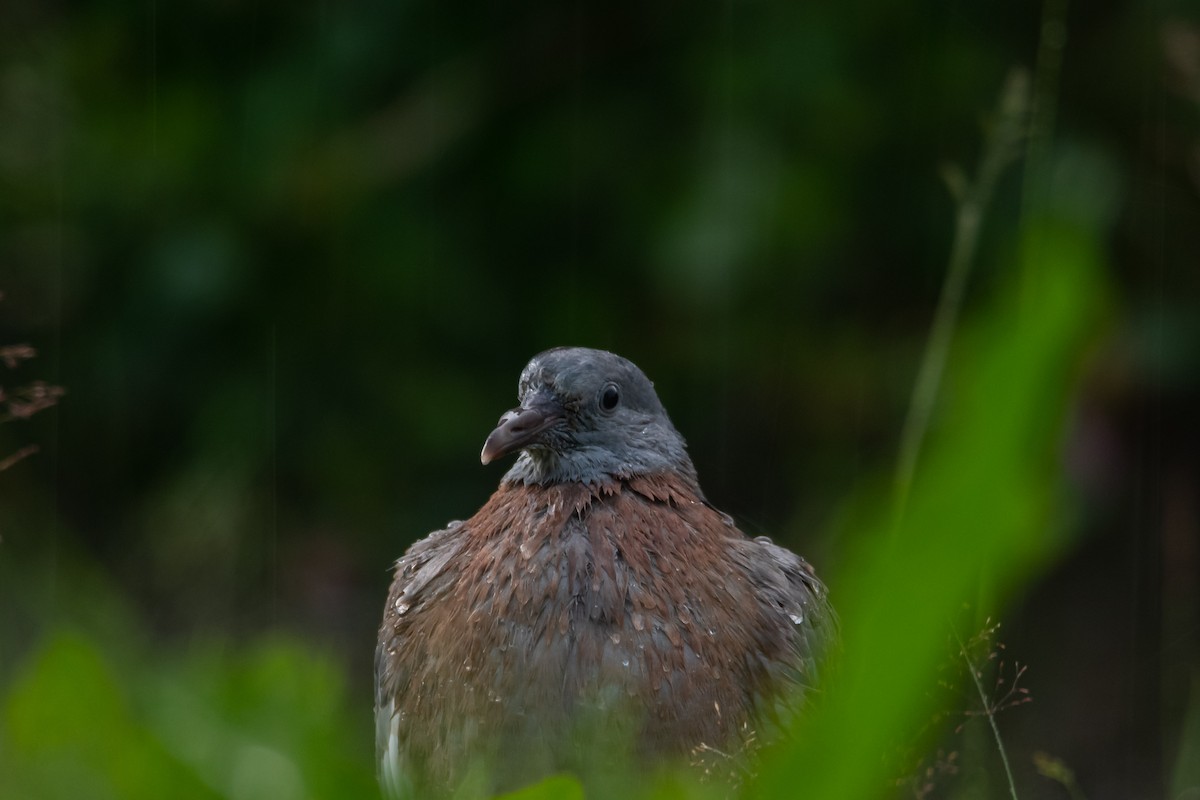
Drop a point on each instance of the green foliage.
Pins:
(69, 725)
(270, 720)
(556, 787)
(980, 513)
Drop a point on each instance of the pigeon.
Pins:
(597, 611)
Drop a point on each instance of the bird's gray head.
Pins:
(586, 415)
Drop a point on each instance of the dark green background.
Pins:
(288, 259)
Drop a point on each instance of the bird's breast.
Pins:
(573, 599)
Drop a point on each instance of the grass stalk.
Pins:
(990, 713)
(972, 197)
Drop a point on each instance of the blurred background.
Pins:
(287, 261)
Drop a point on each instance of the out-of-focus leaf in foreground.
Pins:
(71, 728)
(980, 514)
(85, 720)
(556, 787)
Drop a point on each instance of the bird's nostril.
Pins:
(521, 421)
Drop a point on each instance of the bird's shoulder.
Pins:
(788, 588)
(420, 577)
(417, 571)
(792, 602)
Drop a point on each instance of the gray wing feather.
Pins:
(420, 579)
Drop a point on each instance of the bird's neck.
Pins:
(596, 466)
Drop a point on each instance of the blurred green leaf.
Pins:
(556, 787)
(267, 722)
(73, 732)
(1185, 780)
(979, 514)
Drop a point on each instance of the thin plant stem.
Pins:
(972, 197)
(990, 714)
(1043, 103)
(23, 453)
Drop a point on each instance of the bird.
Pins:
(596, 607)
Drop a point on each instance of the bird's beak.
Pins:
(520, 427)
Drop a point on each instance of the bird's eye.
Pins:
(610, 395)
